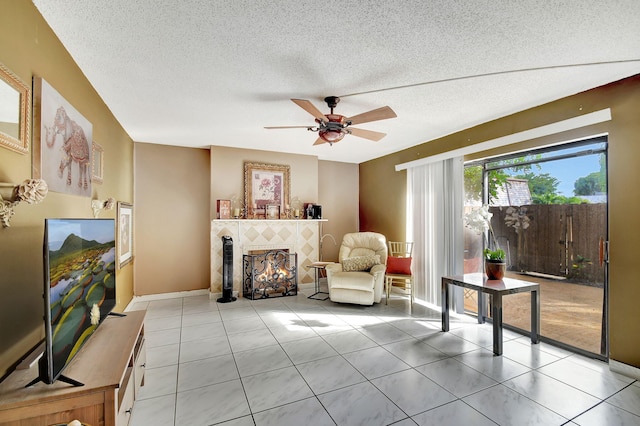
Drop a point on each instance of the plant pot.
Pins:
(495, 269)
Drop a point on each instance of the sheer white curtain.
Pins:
(435, 194)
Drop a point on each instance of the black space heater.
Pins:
(227, 270)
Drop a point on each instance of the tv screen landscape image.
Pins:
(80, 288)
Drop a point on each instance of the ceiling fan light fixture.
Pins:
(333, 130)
(331, 136)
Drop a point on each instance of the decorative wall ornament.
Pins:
(6, 212)
(31, 191)
(97, 163)
(98, 205)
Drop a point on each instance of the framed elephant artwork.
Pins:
(63, 142)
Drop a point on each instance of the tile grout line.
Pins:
(175, 407)
(298, 308)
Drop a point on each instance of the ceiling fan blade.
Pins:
(319, 141)
(288, 127)
(310, 108)
(367, 134)
(381, 113)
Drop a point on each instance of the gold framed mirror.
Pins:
(15, 112)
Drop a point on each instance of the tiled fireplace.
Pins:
(301, 237)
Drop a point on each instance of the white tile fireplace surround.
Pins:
(298, 236)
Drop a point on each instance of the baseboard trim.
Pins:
(307, 286)
(32, 358)
(200, 292)
(216, 296)
(624, 369)
(162, 296)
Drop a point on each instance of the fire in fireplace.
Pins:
(270, 273)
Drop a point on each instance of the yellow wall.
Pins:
(379, 213)
(624, 194)
(171, 219)
(28, 47)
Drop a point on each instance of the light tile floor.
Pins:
(296, 361)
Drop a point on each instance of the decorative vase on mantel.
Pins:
(495, 268)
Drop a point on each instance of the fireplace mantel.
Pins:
(301, 236)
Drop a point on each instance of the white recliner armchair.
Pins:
(359, 276)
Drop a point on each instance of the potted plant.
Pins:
(494, 263)
(494, 260)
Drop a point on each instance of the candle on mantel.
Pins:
(297, 214)
(236, 212)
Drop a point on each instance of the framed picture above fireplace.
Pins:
(266, 185)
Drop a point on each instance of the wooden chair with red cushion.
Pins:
(398, 271)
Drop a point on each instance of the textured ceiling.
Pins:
(206, 72)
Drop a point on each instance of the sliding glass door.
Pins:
(549, 213)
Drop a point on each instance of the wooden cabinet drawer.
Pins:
(124, 410)
(140, 364)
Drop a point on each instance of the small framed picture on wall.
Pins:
(125, 233)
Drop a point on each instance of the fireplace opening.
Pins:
(270, 273)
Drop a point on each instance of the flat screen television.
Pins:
(79, 289)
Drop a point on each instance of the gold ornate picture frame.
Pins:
(15, 112)
(266, 185)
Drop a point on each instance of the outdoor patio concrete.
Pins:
(570, 313)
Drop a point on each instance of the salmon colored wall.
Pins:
(623, 98)
(171, 219)
(331, 184)
(29, 48)
(227, 173)
(338, 194)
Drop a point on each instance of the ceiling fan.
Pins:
(332, 127)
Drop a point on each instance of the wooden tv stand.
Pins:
(111, 367)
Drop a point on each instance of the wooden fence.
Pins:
(558, 236)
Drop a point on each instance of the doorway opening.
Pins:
(548, 212)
